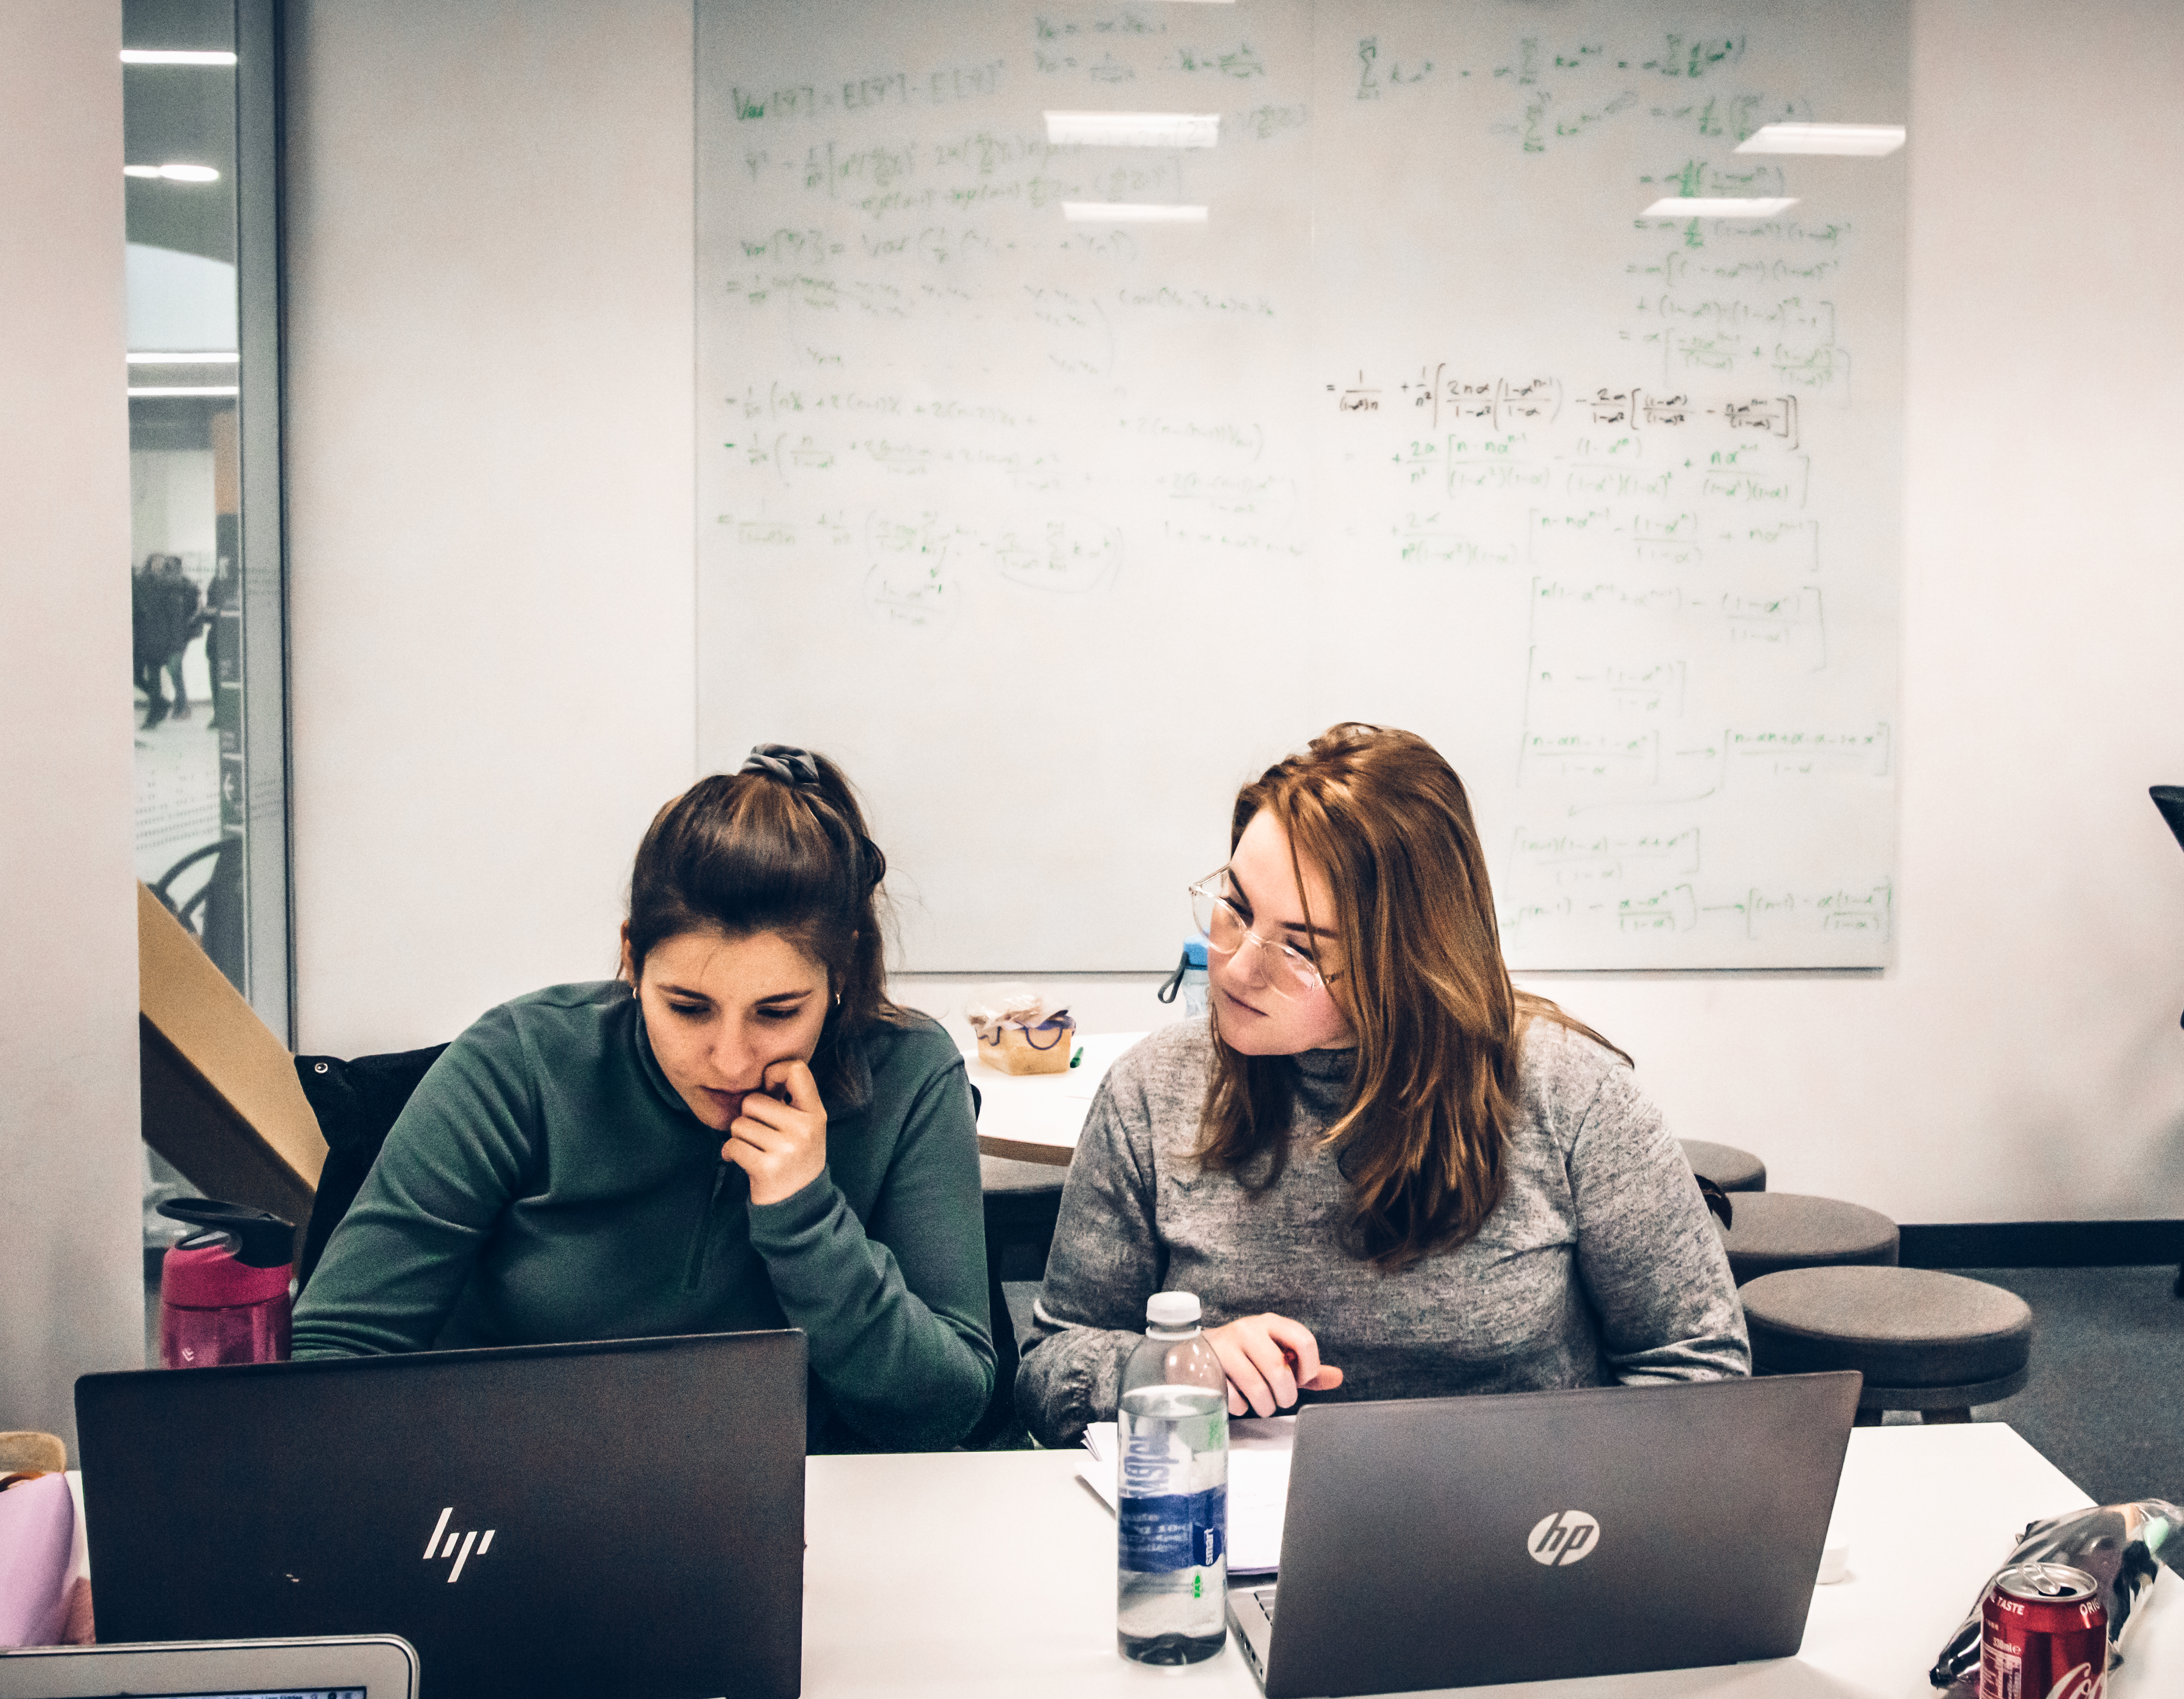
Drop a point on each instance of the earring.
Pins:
(837, 999)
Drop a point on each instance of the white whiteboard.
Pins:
(1053, 532)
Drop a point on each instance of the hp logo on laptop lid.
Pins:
(1568, 1536)
(459, 1546)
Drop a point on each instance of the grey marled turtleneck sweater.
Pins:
(1599, 1264)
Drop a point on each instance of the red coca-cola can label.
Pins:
(2043, 1635)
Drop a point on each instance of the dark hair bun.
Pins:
(781, 846)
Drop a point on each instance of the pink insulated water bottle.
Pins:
(224, 1291)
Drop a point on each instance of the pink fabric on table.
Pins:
(44, 1597)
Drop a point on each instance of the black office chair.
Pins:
(357, 1103)
(2170, 800)
(213, 911)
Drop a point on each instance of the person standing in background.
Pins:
(144, 599)
(220, 597)
(182, 625)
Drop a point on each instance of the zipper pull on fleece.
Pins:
(701, 1241)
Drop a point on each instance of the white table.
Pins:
(1035, 1117)
(993, 1574)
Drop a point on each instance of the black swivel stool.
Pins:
(1773, 1231)
(1935, 1343)
(1022, 1201)
(1731, 1169)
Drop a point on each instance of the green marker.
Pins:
(1077, 1055)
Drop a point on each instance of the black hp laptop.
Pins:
(624, 1518)
(1453, 1542)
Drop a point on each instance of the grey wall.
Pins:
(492, 500)
(71, 1299)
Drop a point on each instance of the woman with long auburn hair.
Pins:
(1385, 1172)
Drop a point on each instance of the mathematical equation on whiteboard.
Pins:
(1582, 492)
(1504, 403)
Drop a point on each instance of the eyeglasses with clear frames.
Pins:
(1290, 970)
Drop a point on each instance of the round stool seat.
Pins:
(1731, 1169)
(1004, 1174)
(1776, 1230)
(1909, 1331)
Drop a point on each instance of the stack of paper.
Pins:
(1258, 1484)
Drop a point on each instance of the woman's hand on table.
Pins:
(1268, 1360)
(779, 1135)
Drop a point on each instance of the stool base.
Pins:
(1939, 1404)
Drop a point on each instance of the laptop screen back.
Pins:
(625, 1516)
(1466, 1541)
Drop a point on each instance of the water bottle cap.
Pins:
(1171, 1309)
(1194, 951)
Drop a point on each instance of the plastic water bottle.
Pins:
(1189, 978)
(1193, 976)
(1173, 1486)
(224, 1290)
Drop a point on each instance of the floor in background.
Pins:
(177, 780)
(1021, 1293)
(2106, 1401)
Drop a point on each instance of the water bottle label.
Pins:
(1165, 1532)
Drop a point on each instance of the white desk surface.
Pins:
(970, 1574)
(1035, 1117)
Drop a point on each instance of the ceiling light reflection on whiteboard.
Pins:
(1130, 212)
(174, 174)
(1132, 129)
(1691, 206)
(173, 56)
(1855, 140)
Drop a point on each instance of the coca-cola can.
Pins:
(2043, 1635)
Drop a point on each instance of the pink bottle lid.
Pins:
(209, 1277)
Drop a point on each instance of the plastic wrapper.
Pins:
(2118, 1544)
(1019, 1002)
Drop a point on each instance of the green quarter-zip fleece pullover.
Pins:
(547, 1184)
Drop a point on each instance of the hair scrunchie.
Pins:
(792, 767)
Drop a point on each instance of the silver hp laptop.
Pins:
(605, 1518)
(1452, 1542)
(358, 1667)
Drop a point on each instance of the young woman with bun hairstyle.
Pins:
(741, 1131)
(1385, 1172)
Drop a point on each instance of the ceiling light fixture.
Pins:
(149, 391)
(1858, 140)
(209, 357)
(1132, 129)
(1130, 212)
(1690, 206)
(173, 56)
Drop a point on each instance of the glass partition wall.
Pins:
(208, 607)
(207, 614)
